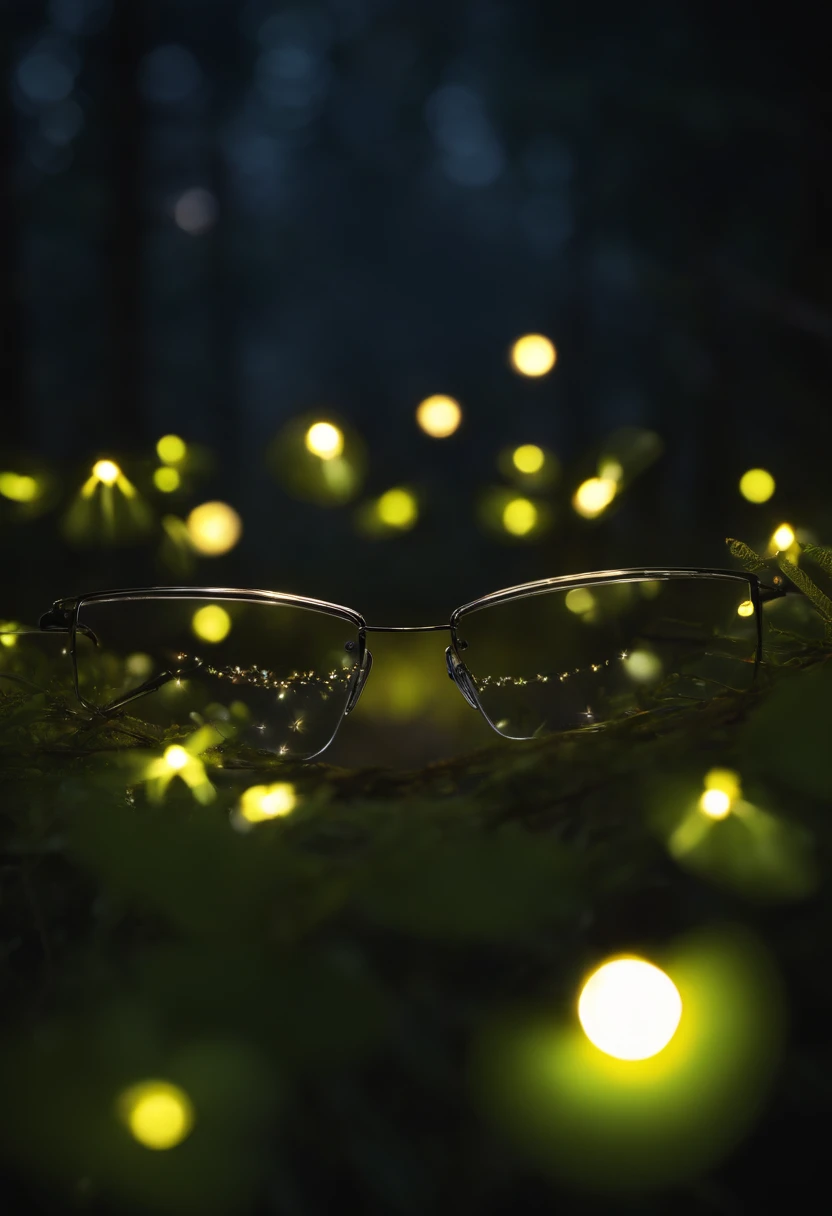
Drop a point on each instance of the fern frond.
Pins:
(745, 555)
(820, 555)
(810, 590)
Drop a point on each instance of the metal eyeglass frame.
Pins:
(64, 614)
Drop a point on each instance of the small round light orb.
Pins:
(166, 479)
(8, 640)
(715, 803)
(439, 416)
(579, 600)
(18, 487)
(520, 517)
(746, 608)
(724, 779)
(261, 802)
(594, 496)
(398, 509)
(214, 528)
(757, 485)
(176, 757)
(211, 623)
(783, 538)
(630, 1009)
(533, 355)
(324, 440)
(159, 1115)
(643, 666)
(171, 449)
(528, 458)
(106, 471)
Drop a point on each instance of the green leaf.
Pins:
(745, 555)
(810, 590)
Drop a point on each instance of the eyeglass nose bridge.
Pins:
(460, 675)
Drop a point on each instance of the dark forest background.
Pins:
(219, 216)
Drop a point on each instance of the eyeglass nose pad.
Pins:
(461, 677)
(359, 680)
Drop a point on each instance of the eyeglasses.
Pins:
(280, 672)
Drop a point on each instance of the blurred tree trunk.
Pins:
(12, 354)
(123, 419)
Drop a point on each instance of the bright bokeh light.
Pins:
(324, 440)
(8, 637)
(594, 496)
(18, 487)
(715, 804)
(722, 789)
(211, 623)
(214, 528)
(398, 509)
(757, 485)
(176, 757)
(262, 802)
(171, 449)
(520, 517)
(158, 1114)
(783, 538)
(167, 480)
(439, 416)
(746, 608)
(533, 355)
(580, 600)
(528, 458)
(643, 666)
(630, 1009)
(106, 471)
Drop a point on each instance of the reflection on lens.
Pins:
(591, 654)
(268, 675)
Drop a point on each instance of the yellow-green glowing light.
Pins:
(7, 637)
(398, 509)
(580, 600)
(520, 517)
(171, 449)
(757, 485)
(722, 789)
(106, 471)
(533, 355)
(783, 537)
(528, 458)
(176, 758)
(159, 1115)
(715, 804)
(166, 479)
(746, 608)
(262, 802)
(594, 496)
(610, 469)
(643, 666)
(211, 623)
(214, 528)
(324, 440)
(18, 487)
(629, 1009)
(438, 416)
